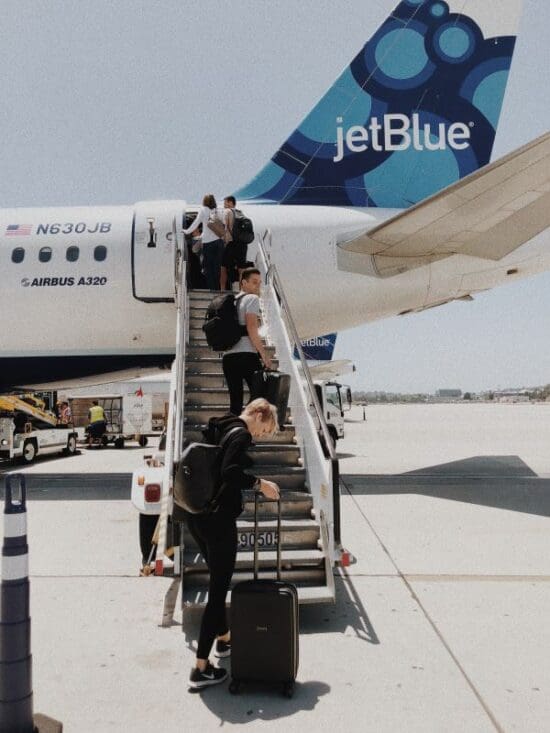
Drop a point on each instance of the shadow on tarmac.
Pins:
(264, 702)
(75, 486)
(257, 702)
(346, 616)
(261, 701)
(502, 482)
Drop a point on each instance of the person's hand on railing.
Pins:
(266, 361)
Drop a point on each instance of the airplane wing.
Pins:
(332, 369)
(488, 214)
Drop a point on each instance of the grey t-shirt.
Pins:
(248, 303)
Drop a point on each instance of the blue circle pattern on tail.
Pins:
(425, 63)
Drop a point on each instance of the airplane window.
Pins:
(18, 255)
(45, 254)
(72, 254)
(100, 253)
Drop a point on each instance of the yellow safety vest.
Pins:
(96, 413)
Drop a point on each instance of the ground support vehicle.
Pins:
(128, 417)
(335, 400)
(30, 442)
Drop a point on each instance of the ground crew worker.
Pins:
(98, 423)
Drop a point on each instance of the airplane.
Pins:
(384, 199)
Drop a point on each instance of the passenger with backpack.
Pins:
(215, 531)
(246, 356)
(214, 233)
(240, 233)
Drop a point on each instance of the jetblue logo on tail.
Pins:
(318, 348)
(398, 132)
(415, 111)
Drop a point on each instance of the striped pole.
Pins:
(16, 702)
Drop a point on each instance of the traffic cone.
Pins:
(16, 697)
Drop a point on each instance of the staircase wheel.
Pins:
(288, 689)
(234, 687)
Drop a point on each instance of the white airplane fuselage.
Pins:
(83, 293)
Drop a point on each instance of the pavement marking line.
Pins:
(462, 577)
(438, 633)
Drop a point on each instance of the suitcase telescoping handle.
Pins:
(278, 541)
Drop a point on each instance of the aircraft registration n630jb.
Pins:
(384, 197)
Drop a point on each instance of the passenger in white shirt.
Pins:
(212, 242)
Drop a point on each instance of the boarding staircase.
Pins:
(303, 465)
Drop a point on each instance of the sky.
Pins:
(114, 103)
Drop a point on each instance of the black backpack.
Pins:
(197, 485)
(242, 231)
(221, 323)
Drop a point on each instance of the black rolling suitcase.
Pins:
(264, 626)
(275, 387)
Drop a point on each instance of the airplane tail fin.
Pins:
(416, 110)
(319, 348)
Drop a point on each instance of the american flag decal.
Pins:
(18, 230)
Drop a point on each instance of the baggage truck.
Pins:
(128, 417)
(27, 430)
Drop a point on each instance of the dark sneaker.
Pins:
(210, 676)
(223, 649)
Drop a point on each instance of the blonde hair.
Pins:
(263, 408)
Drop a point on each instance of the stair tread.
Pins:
(294, 523)
(286, 495)
(265, 555)
(306, 594)
(214, 406)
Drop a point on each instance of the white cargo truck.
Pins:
(335, 401)
(27, 445)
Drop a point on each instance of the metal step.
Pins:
(197, 365)
(200, 340)
(267, 559)
(275, 454)
(193, 431)
(196, 312)
(205, 380)
(295, 505)
(296, 533)
(288, 478)
(211, 364)
(198, 597)
(299, 576)
(195, 329)
(199, 350)
(202, 294)
(206, 396)
(196, 413)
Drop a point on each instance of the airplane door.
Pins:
(154, 249)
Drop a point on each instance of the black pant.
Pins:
(216, 536)
(239, 368)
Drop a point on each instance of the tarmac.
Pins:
(442, 624)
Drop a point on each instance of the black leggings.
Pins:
(216, 536)
(237, 368)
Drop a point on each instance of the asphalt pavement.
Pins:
(440, 625)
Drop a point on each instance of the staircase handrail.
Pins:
(176, 417)
(273, 278)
